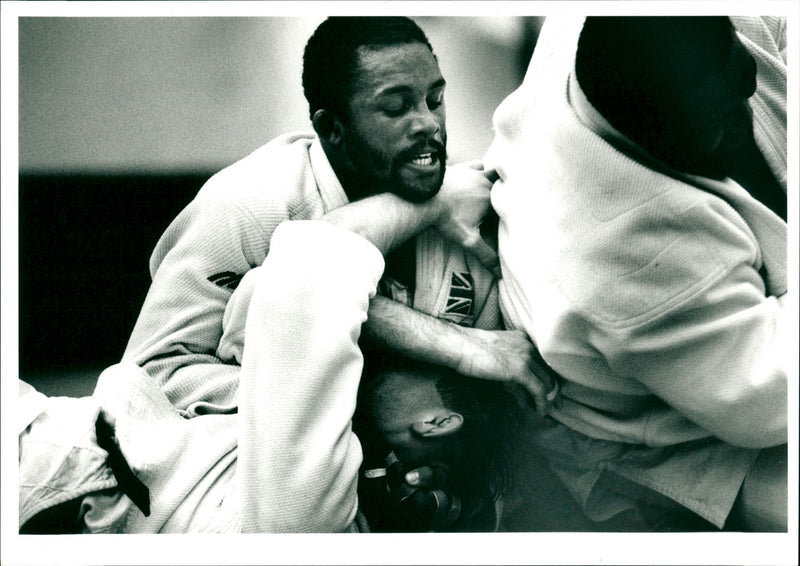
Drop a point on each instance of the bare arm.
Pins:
(500, 355)
(456, 211)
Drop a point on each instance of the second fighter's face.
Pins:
(395, 137)
(713, 119)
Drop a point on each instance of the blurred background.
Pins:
(170, 95)
(122, 119)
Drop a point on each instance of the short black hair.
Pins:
(482, 454)
(485, 447)
(330, 57)
(628, 66)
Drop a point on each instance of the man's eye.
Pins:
(396, 108)
(436, 100)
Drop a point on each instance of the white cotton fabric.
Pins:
(286, 462)
(227, 229)
(666, 335)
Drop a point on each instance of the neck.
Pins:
(355, 186)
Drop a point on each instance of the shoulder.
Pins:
(276, 170)
(767, 32)
(640, 264)
(249, 198)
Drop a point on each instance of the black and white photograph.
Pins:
(487, 282)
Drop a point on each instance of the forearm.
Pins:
(187, 379)
(385, 220)
(176, 350)
(457, 210)
(298, 459)
(394, 326)
(195, 266)
(497, 355)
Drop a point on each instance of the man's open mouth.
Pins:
(426, 160)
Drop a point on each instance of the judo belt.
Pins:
(127, 481)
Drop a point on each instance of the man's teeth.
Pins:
(423, 159)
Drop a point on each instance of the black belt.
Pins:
(127, 481)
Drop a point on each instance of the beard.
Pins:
(375, 171)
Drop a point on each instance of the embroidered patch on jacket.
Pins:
(460, 301)
(226, 279)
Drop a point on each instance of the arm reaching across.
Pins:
(497, 355)
(298, 459)
(456, 211)
(201, 258)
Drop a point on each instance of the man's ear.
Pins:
(442, 423)
(328, 126)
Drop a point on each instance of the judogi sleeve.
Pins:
(195, 266)
(298, 461)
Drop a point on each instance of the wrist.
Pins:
(457, 348)
(434, 209)
(407, 218)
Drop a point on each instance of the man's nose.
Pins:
(425, 121)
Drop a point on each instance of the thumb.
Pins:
(420, 477)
